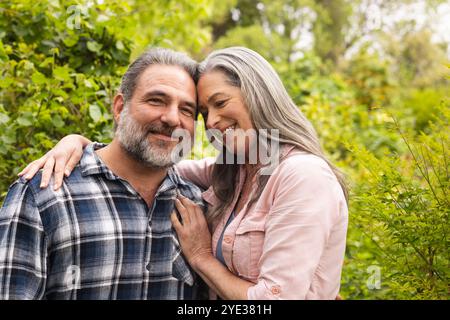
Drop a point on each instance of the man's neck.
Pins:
(146, 180)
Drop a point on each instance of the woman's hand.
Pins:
(193, 232)
(60, 160)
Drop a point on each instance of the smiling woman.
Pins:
(280, 235)
(275, 236)
(223, 108)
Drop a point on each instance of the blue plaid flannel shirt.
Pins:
(94, 238)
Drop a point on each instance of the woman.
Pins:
(275, 236)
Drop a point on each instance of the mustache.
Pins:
(159, 129)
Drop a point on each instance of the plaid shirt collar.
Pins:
(91, 164)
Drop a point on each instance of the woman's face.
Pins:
(223, 109)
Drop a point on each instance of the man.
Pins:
(106, 234)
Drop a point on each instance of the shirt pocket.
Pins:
(247, 249)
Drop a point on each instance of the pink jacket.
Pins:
(291, 242)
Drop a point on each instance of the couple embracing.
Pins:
(128, 220)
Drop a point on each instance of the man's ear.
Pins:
(118, 105)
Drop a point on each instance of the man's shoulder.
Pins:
(43, 195)
(28, 187)
(20, 190)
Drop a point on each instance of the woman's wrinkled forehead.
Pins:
(214, 86)
(212, 82)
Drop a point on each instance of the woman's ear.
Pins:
(118, 105)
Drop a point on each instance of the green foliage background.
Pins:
(382, 115)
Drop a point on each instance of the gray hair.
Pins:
(150, 57)
(270, 107)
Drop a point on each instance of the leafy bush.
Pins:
(400, 218)
(54, 79)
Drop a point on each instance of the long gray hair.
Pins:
(270, 107)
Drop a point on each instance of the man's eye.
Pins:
(155, 101)
(187, 112)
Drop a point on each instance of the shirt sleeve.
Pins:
(197, 171)
(22, 246)
(307, 200)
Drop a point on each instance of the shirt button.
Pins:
(148, 267)
(227, 239)
(275, 290)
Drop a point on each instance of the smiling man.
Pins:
(106, 234)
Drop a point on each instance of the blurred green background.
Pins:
(372, 76)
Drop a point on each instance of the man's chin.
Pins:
(160, 157)
(158, 164)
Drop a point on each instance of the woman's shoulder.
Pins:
(303, 163)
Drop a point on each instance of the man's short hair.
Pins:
(150, 57)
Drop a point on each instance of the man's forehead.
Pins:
(170, 80)
(166, 74)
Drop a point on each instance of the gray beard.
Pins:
(133, 139)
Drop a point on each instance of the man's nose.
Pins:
(171, 116)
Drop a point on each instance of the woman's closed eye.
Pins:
(220, 103)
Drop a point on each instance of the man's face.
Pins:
(164, 100)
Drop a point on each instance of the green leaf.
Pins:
(57, 121)
(3, 55)
(4, 118)
(27, 65)
(95, 112)
(54, 51)
(94, 46)
(9, 137)
(26, 119)
(38, 78)
(61, 73)
(70, 41)
(46, 62)
(119, 45)
(6, 82)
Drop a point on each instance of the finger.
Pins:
(73, 161)
(58, 172)
(175, 222)
(27, 167)
(25, 170)
(185, 219)
(31, 169)
(186, 201)
(47, 171)
(199, 215)
(191, 207)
